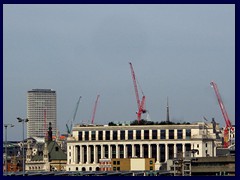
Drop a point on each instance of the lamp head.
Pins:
(19, 119)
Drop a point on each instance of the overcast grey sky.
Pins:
(84, 50)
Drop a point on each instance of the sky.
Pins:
(85, 50)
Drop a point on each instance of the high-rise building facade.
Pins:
(41, 109)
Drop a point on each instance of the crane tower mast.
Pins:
(141, 104)
(228, 129)
(69, 127)
(94, 110)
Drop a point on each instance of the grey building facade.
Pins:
(41, 109)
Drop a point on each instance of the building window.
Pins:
(86, 135)
(146, 134)
(138, 134)
(151, 168)
(118, 162)
(114, 162)
(107, 135)
(206, 144)
(163, 134)
(76, 168)
(188, 133)
(93, 135)
(114, 135)
(179, 134)
(80, 136)
(197, 145)
(187, 147)
(171, 134)
(118, 168)
(130, 134)
(122, 135)
(100, 135)
(154, 134)
(150, 162)
(114, 168)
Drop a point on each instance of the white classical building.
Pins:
(162, 142)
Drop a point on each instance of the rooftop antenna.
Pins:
(168, 117)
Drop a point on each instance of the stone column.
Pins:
(166, 152)
(150, 134)
(142, 134)
(102, 152)
(74, 154)
(125, 151)
(141, 150)
(111, 134)
(81, 154)
(134, 134)
(167, 133)
(183, 150)
(175, 134)
(117, 151)
(175, 150)
(88, 154)
(158, 154)
(184, 133)
(158, 134)
(109, 151)
(133, 150)
(97, 135)
(104, 135)
(149, 151)
(126, 134)
(94, 154)
(90, 135)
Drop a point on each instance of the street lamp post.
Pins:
(6, 126)
(23, 120)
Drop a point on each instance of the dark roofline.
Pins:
(42, 90)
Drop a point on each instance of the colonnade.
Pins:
(88, 154)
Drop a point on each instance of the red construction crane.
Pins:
(141, 104)
(94, 110)
(228, 129)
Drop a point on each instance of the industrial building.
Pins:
(91, 143)
(41, 109)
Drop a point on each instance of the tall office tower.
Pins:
(41, 109)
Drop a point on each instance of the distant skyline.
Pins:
(85, 50)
